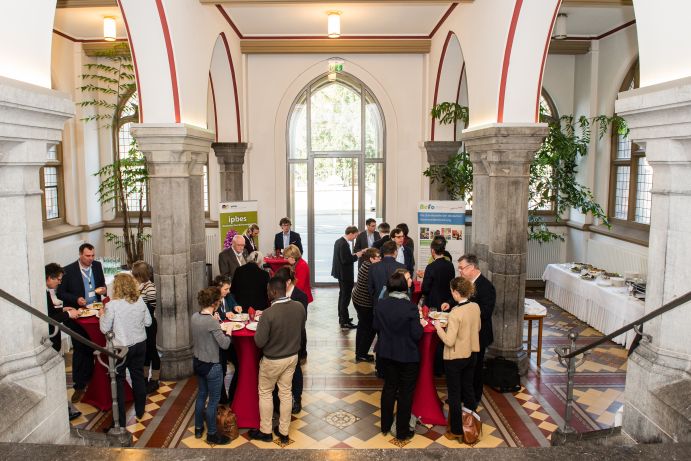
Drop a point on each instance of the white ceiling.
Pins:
(363, 19)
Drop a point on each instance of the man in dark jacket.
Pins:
(366, 238)
(82, 284)
(286, 236)
(342, 270)
(249, 283)
(379, 273)
(405, 252)
(485, 296)
(438, 276)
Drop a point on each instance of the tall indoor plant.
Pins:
(108, 86)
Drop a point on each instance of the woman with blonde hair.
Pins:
(127, 316)
(142, 273)
(302, 271)
(461, 343)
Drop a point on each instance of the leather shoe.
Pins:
(74, 414)
(366, 358)
(281, 438)
(348, 326)
(78, 394)
(256, 434)
(297, 407)
(217, 439)
(198, 433)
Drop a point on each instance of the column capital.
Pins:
(230, 153)
(439, 152)
(500, 141)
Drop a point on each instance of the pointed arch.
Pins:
(449, 81)
(225, 92)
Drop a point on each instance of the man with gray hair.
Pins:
(232, 258)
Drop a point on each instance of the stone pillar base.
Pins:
(176, 363)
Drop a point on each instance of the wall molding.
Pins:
(331, 46)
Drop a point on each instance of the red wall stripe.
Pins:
(507, 59)
(134, 60)
(544, 59)
(235, 86)
(436, 84)
(458, 95)
(171, 58)
(230, 21)
(213, 99)
(443, 18)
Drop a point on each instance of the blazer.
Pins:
(342, 262)
(379, 243)
(294, 240)
(409, 259)
(462, 335)
(228, 262)
(435, 284)
(397, 322)
(226, 306)
(302, 279)
(58, 315)
(379, 274)
(362, 244)
(301, 297)
(485, 296)
(72, 286)
(250, 246)
(249, 287)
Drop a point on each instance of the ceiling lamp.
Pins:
(334, 24)
(560, 27)
(109, 32)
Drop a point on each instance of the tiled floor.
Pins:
(341, 397)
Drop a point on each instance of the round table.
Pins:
(417, 291)
(276, 263)
(246, 401)
(98, 391)
(426, 403)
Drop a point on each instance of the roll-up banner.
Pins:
(237, 216)
(440, 217)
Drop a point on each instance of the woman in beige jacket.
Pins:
(461, 341)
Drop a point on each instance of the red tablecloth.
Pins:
(417, 291)
(426, 403)
(98, 391)
(246, 401)
(275, 263)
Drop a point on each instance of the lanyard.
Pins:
(87, 276)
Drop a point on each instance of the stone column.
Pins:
(438, 153)
(658, 379)
(231, 158)
(32, 376)
(175, 155)
(501, 157)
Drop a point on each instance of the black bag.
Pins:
(201, 368)
(502, 375)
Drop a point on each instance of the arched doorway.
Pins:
(336, 164)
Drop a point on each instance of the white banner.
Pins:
(440, 217)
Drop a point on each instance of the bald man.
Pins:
(232, 258)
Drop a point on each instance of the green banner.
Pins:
(237, 216)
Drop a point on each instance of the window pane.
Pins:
(298, 130)
(644, 184)
(623, 147)
(297, 173)
(621, 198)
(374, 129)
(53, 152)
(336, 118)
(374, 191)
(125, 139)
(50, 179)
(206, 188)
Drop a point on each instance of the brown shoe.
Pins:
(78, 394)
(451, 436)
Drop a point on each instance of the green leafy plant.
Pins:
(553, 184)
(109, 88)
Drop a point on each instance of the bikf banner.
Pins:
(440, 217)
(237, 216)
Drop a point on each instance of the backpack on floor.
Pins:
(226, 423)
(502, 375)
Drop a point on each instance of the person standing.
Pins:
(384, 231)
(232, 258)
(249, 284)
(437, 276)
(127, 316)
(279, 336)
(461, 344)
(367, 238)
(362, 300)
(293, 255)
(405, 253)
(342, 270)
(207, 337)
(399, 325)
(286, 237)
(379, 273)
(142, 273)
(224, 312)
(82, 284)
(251, 239)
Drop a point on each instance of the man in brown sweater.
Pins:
(279, 335)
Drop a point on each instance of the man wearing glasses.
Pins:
(485, 296)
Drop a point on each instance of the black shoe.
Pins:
(281, 438)
(217, 439)
(152, 386)
(348, 326)
(297, 407)
(198, 433)
(256, 434)
(405, 437)
(365, 358)
(74, 414)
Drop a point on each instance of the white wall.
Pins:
(273, 83)
(559, 79)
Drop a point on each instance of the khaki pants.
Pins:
(271, 372)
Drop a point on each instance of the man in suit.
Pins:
(82, 284)
(342, 270)
(249, 284)
(405, 253)
(232, 258)
(287, 237)
(485, 296)
(380, 272)
(438, 276)
(366, 239)
(384, 231)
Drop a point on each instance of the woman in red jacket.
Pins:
(302, 271)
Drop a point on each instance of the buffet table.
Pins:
(604, 308)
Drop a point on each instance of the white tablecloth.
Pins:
(604, 308)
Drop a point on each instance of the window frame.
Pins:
(554, 117)
(57, 163)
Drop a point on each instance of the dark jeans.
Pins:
(134, 362)
(365, 333)
(344, 294)
(477, 376)
(225, 356)
(209, 386)
(459, 380)
(399, 384)
(82, 358)
(152, 358)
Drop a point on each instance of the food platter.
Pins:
(240, 317)
(83, 313)
(96, 305)
(439, 315)
(252, 326)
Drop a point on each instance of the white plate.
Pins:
(438, 315)
(252, 326)
(88, 313)
(240, 317)
(234, 326)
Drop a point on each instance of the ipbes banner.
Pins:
(237, 216)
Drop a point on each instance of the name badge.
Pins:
(92, 294)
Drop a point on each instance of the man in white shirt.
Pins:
(367, 238)
(232, 258)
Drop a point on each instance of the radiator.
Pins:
(616, 258)
(541, 254)
(213, 248)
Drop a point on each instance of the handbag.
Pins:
(226, 422)
(472, 426)
(502, 375)
(201, 368)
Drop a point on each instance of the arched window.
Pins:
(631, 177)
(548, 114)
(335, 148)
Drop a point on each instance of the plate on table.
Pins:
(588, 276)
(234, 326)
(95, 306)
(240, 317)
(438, 315)
(83, 313)
(252, 326)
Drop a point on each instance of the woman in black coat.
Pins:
(398, 323)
